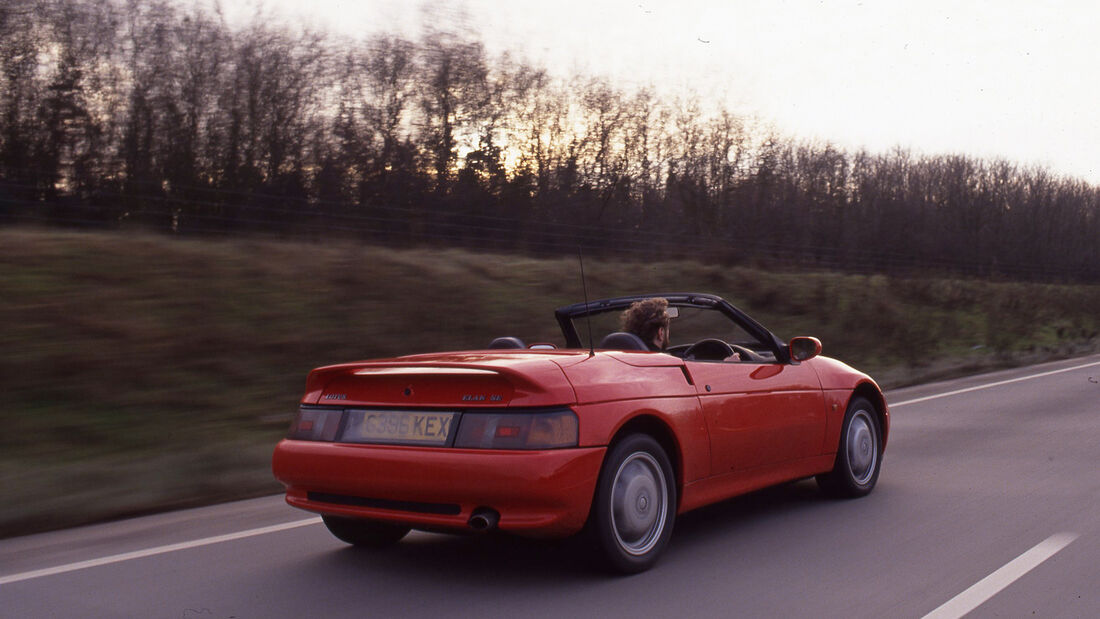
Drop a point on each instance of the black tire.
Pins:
(635, 505)
(859, 455)
(365, 533)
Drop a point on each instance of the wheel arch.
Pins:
(872, 394)
(661, 432)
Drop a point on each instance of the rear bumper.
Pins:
(537, 493)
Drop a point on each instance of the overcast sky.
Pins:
(1010, 79)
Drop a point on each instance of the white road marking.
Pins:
(990, 385)
(158, 550)
(1011, 572)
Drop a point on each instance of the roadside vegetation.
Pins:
(144, 372)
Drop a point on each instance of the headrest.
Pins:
(620, 340)
(507, 342)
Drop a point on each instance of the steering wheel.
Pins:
(747, 354)
(712, 349)
(709, 349)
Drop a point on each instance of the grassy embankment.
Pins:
(143, 372)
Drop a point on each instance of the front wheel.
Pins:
(364, 533)
(859, 455)
(635, 504)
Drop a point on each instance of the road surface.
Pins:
(988, 503)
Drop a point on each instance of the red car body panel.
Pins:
(520, 378)
(608, 377)
(838, 383)
(680, 416)
(759, 414)
(535, 492)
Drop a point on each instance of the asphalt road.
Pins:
(988, 500)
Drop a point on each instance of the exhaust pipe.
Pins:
(483, 519)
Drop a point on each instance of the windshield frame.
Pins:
(567, 316)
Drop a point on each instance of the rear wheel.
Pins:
(365, 533)
(859, 455)
(635, 504)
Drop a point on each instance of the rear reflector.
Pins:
(315, 424)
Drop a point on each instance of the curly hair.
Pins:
(646, 317)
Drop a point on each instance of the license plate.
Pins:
(398, 427)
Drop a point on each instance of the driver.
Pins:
(649, 319)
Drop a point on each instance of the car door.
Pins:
(759, 414)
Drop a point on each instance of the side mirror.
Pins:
(805, 348)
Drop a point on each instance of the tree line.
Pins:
(140, 113)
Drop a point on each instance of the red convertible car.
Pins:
(614, 439)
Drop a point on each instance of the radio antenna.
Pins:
(587, 312)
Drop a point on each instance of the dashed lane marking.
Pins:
(991, 585)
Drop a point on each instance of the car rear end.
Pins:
(454, 442)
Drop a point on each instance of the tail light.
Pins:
(315, 424)
(511, 430)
